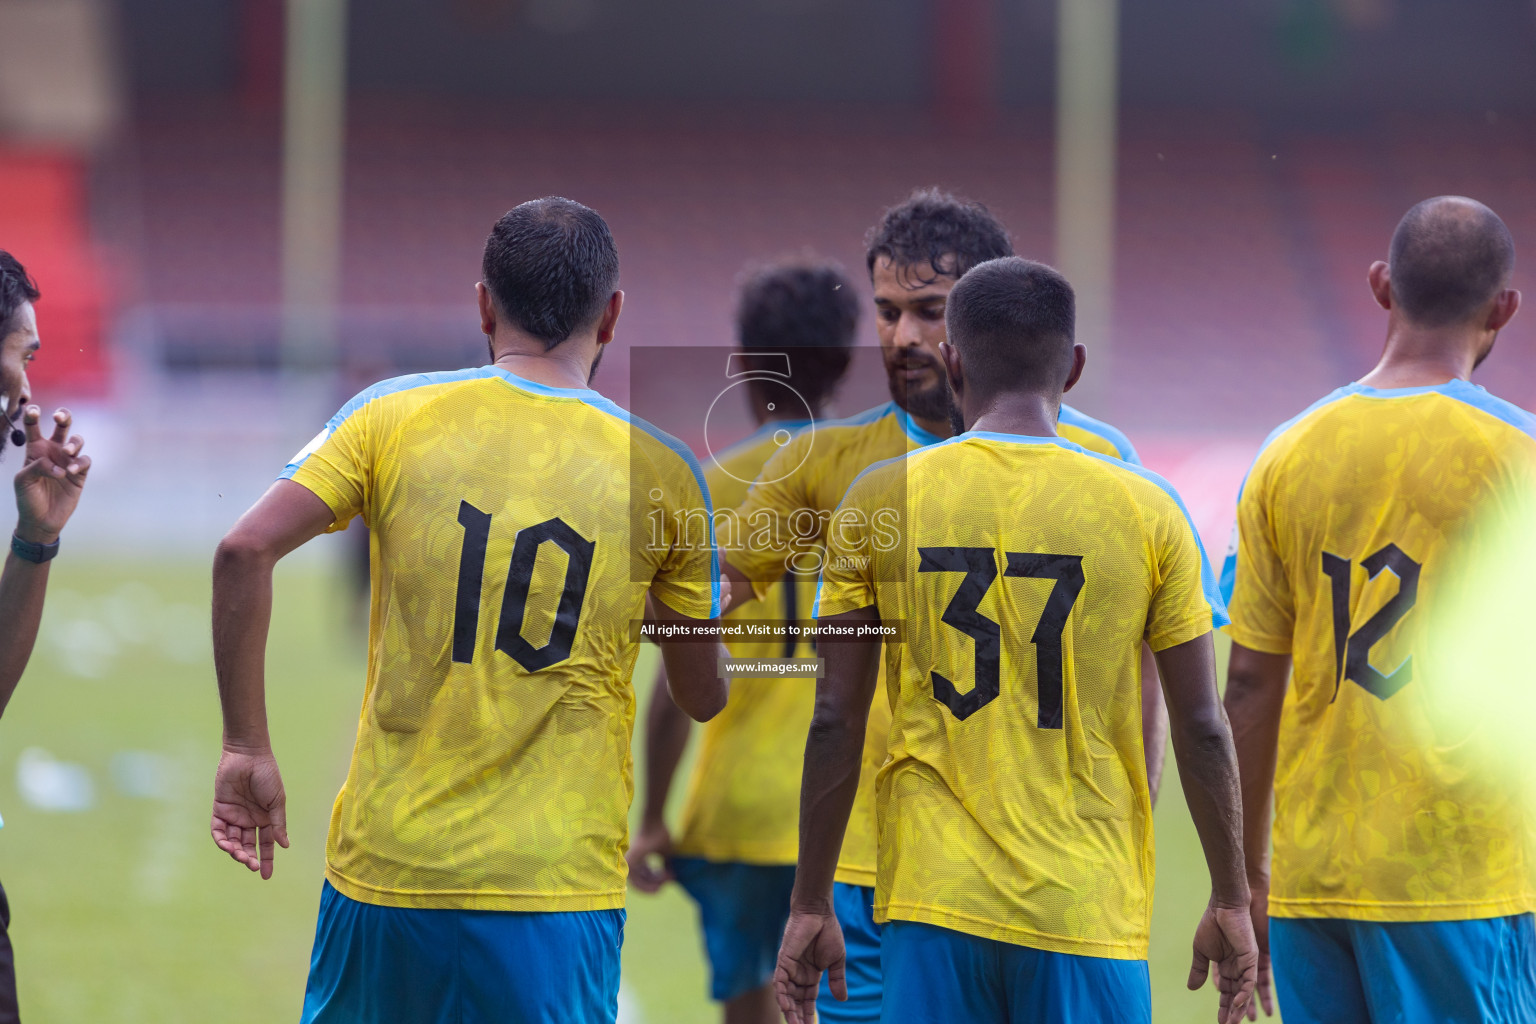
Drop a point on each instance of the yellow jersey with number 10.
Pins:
(783, 520)
(1028, 572)
(1353, 525)
(515, 530)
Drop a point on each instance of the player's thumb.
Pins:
(1199, 970)
(837, 979)
(280, 823)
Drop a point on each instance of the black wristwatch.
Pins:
(25, 549)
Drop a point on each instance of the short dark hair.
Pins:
(1449, 256)
(1012, 321)
(15, 288)
(551, 266)
(934, 229)
(806, 309)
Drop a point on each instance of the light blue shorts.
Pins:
(855, 909)
(383, 965)
(1329, 971)
(938, 976)
(743, 909)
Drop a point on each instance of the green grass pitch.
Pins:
(125, 911)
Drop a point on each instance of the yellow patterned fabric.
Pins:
(1353, 525)
(1014, 803)
(743, 802)
(782, 522)
(492, 766)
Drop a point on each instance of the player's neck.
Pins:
(1029, 415)
(1416, 358)
(567, 365)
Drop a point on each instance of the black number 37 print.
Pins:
(980, 568)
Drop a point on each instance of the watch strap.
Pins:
(31, 552)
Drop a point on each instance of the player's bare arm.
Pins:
(249, 812)
(47, 491)
(813, 941)
(692, 669)
(1256, 684)
(1202, 747)
(666, 736)
(1154, 722)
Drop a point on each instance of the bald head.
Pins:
(1450, 257)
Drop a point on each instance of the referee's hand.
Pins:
(249, 808)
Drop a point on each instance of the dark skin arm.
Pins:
(1256, 685)
(692, 669)
(1154, 722)
(47, 490)
(249, 805)
(1202, 746)
(666, 737)
(813, 941)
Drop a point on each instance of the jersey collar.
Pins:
(914, 432)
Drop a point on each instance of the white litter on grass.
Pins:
(52, 785)
(87, 635)
(145, 775)
(629, 1010)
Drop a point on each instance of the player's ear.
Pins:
(1380, 279)
(609, 321)
(951, 360)
(1079, 360)
(487, 309)
(1504, 309)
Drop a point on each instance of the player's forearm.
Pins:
(666, 736)
(242, 615)
(1208, 773)
(1255, 696)
(22, 586)
(834, 748)
(1202, 746)
(1154, 722)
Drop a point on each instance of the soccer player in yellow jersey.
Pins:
(1025, 573)
(914, 255)
(475, 863)
(1403, 881)
(735, 854)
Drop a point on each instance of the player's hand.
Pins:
(813, 942)
(49, 484)
(648, 855)
(249, 808)
(1225, 937)
(1258, 911)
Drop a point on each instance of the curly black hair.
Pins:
(807, 309)
(947, 234)
(15, 288)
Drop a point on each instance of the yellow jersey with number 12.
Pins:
(783, 519)
(1014, 803)
(743, 802)
(515, 531)
(1352, 527)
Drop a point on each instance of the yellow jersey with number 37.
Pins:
(783, 520)
(515, 530)
(1025, 576)
(1352, 527)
